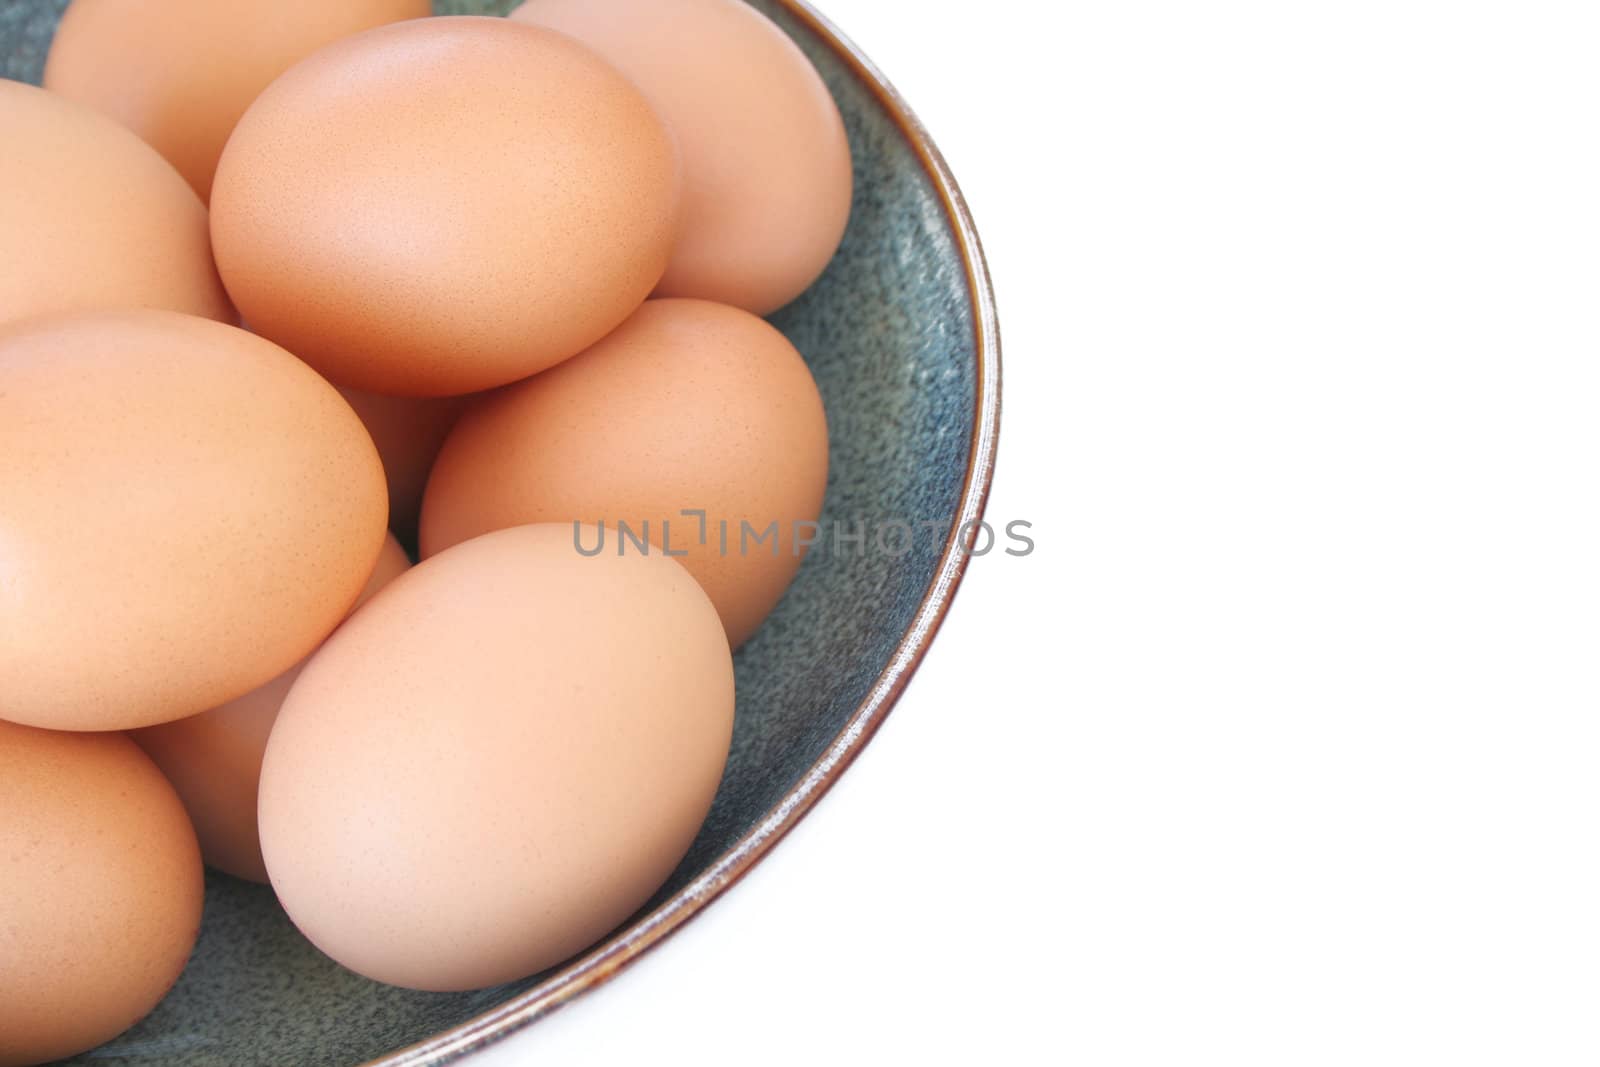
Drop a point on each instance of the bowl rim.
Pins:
(603, 962)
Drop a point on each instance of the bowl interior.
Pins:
(890, 335)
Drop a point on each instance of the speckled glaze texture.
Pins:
(899, 334)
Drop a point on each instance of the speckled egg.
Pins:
(695, 427)
(91, 217)
(186, 510)
(179, 73)
(766, 164)
(497, 760)
(100, 891)
(445, 205)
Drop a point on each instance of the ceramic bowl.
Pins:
(902, 338)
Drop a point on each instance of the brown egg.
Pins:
(187, 511)
(409, 431)
(766, 165)
(91, 217)
(442, 206)
(689, 406)
(497, 761)
(100, 891)
(214, 759)
(179, 73)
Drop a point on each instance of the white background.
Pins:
(1281, 749)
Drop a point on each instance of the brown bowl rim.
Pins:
(603, 962)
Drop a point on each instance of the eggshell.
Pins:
(497, 761)
(214, 759)
(409, 432)
(766, 163)
(689, 406)
(179, 73)
(442, 206)
(91, 217)
(186, 510)
(100, 891)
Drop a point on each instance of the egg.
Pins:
(409, 432)
(102, 891)
(91, 217)
(766, 162)
(179, 73)
(443, 206)
(187, 511)
(497, 761)
(214, 759)
(695, 427)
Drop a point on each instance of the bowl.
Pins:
(902, 338)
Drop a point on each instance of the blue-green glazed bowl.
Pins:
(901, 335)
